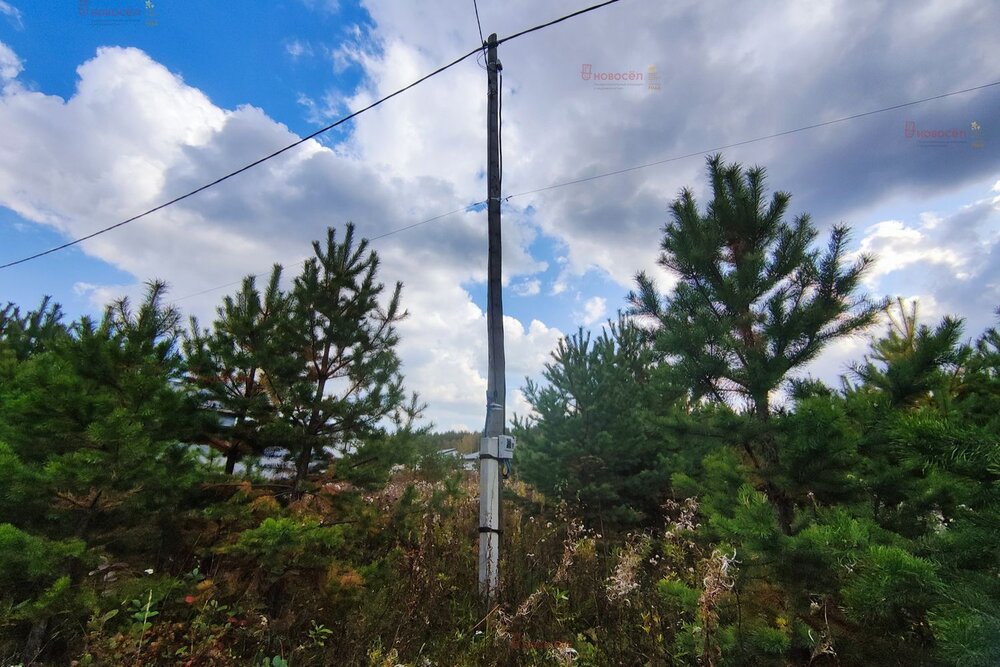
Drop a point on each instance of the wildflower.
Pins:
(148, 570)
(189, 599)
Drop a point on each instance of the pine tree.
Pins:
(931, 469)
(311, 369)
(90, 430)
(229, 365)
(348, 378)
(22, 336)
(912, 361)
(754, 301)
(589, 442)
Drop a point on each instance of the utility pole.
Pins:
(494, 444)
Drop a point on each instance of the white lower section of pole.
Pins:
(489, 516)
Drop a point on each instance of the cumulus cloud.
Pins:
(897, 246)
(794, 53)
(408, 160)
(530, 287)
(134, 134)
(950, 258)
(948, 263)
(594, 309)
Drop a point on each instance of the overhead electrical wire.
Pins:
(642, 166)
(243, 168)
(370, 239)
(775, 135)
(290, 146)
(646, 165)
(479, 25)
(558, 20)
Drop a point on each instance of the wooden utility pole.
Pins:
(496, 388)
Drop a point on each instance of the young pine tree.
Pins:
(90, 460)
(754, 301)
(308, 369)
(349, 376)
(229, 365)
(588, 445)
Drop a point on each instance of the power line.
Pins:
(558, 20)
(371, 239)
(479, 25)
(481, 57)
(652, 164)
(243, 168)
(751, 141)
(300, 141)
(509, 197)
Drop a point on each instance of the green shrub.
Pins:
(279, 544)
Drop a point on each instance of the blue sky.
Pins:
(236, 55)
(105, 118)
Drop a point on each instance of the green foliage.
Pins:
(769, 641)
(752, 522)
(229, 366)
(678, 596)
(912, 360)
(889, 583)
(967, 635)
(587, 445)
(754, 300)
(23, 336)
(26, 559)
(308, 370)
(678, 526)
(280, 544)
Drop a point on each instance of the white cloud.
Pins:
(12, 13)
(296, 48)
(530, 287)
(419, 155)
(897, 247)
(594, 309)
(560, 284)
(100, 296)
(317, 113)
(10, 64)
(947, 264)
(167, 138)
(519, 406)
